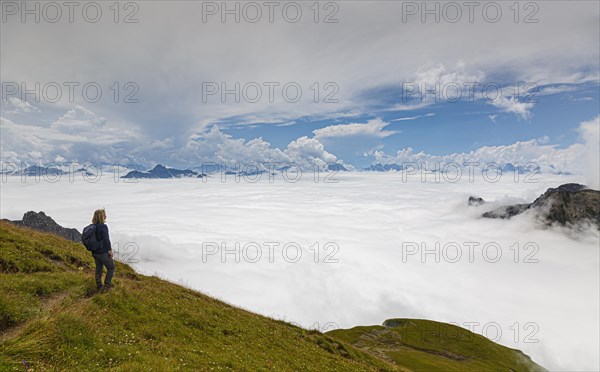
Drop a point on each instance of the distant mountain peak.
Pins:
(158, 167)
(160, 171)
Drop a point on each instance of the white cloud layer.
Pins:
(368, 216)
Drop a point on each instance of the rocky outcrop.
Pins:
(473, 200)
(507, 211)
(40, 221)
(567, 204)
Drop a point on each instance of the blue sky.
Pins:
(452, 127)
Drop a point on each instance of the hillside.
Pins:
(425, 345)
(51, 318)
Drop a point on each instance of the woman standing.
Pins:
(104, 255)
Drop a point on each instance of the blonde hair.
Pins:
(99, 216)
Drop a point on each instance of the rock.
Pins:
(475, 200)
(41, 222)
(568, 187)
(567, 204)
(506, 211)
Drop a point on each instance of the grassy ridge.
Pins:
(51, 318)
(425, 345)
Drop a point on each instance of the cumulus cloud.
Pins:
(308, 152)
(15, 106)
(213, 146)
(353, 140)
(590, 132)
(20, 143)
(437, 83)
(550, 158)
(440, 74)
(78, 134)
(78, 118)
(374, 128)
(512, 105)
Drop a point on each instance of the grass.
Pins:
(52, 318)
(425, 345)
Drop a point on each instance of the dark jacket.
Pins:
(102, 235)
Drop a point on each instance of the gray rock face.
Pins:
(507, 211)
(570, 203)
(40, 221)
(567, 204)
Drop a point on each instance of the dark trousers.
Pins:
(104, 260)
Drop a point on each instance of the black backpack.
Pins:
(89, 239)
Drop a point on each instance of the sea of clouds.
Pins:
(368, 230)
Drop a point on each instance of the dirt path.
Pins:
(46, 305)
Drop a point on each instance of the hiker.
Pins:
(103, 256)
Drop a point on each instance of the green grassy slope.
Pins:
(425, 345)
(51, 318)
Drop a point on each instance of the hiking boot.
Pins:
(106, 288)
